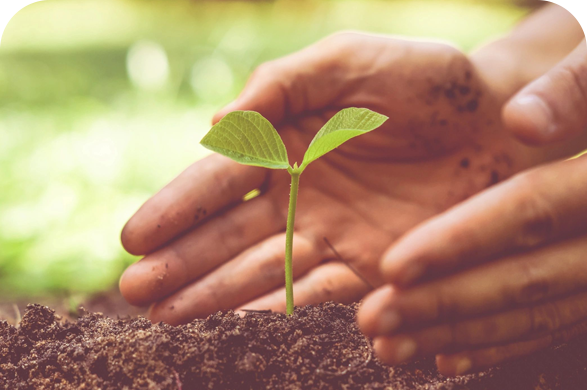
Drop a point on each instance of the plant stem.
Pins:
(291, 217)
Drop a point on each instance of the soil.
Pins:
(319, 347)
(109, 302)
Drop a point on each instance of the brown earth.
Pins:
(316, 348)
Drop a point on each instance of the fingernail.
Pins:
(405, 350)
(538, 112)
(463, 366)
(389, 321)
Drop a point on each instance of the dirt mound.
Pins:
(318, 347)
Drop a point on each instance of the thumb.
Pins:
(554, 107)
(304, 81)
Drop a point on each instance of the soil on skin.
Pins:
(318, 347)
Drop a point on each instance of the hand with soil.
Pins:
(208, 250)
(516, 252)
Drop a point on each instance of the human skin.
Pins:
(516, 253)
(207, 250)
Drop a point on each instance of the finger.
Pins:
(465, 362)
(252, 273)
(332, 281)
(201, 250)
(554, 107)
(304, 81)
(508, 283)
(510, 326)
(203, 189)
(521, 213)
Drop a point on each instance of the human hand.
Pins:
(529, 232)
(554, 107)
(207, 250)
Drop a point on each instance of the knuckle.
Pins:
(538, 226)
(576, 79)
(476, 332)
(322, 287)
(210, 299)
(545, 318)
(567, 334)
(228, 243)
(446, 307)
(455, 237)
(450, 57)
(456, 57)
(264, 70)
(538, 217)
(273, 267)
(219, 180)
(326, 289)
(532, 285)
(223, 183)
(341, 44)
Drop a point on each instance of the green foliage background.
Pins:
(82, 145)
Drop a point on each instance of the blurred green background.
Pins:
(102, 102)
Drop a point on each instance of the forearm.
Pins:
(537, 44)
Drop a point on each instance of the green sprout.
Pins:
(250, 139)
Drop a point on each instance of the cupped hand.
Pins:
(207, 249)
(514, 256)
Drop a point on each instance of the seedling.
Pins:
(248, 138)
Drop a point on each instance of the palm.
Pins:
(443, 143)
(361, 200)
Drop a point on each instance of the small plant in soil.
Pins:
(248, 138)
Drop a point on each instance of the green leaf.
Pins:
(248, 138)
(343, 126)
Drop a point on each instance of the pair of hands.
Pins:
(207, 249)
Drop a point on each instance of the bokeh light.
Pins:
(147, 65)
(212, 79)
